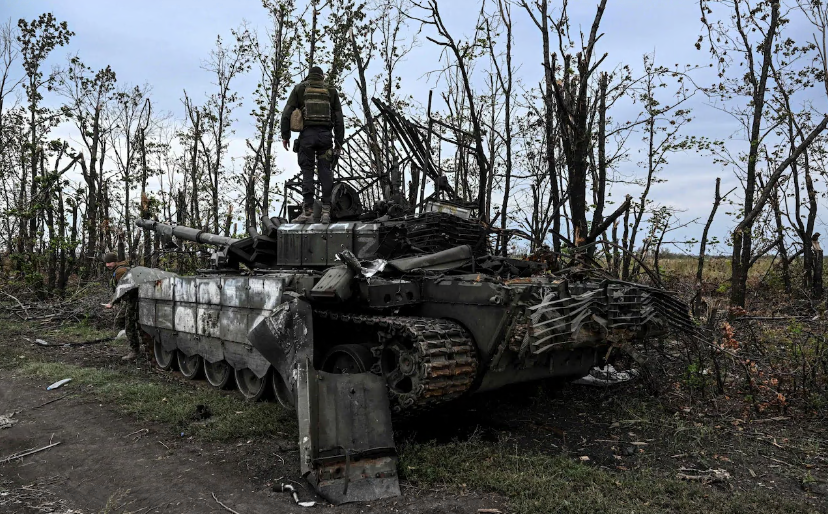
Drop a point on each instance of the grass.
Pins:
(544, 484)
(168, 403)
(78, 332)
(65, 333)
(716, 268)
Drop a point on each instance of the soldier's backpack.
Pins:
(317, 100)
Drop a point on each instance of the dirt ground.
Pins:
(109, 462)
(106, 462)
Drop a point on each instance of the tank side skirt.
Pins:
(210, 316)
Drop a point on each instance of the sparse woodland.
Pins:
(539, 160)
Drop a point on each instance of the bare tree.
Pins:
(9, 54)
(226, 63)
(130, 121)
(751, 32)
(87, 95)
(194, 139)
(274, 61)
(506, 82)
(541, 20)
(662, 126)
(572, 97)
(10, 129)
(461, 51)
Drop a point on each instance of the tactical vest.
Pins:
(317, 101)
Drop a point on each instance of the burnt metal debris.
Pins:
(387, 312)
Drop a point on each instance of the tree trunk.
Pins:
(601, 186)
(819, 263)
(742, 240)
(194, 212)
(374, 150)
(62, 275)
(697, 299)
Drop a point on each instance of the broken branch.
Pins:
(26, 453)
(228, 509)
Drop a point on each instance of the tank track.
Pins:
(442, 353)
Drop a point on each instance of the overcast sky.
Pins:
(163, 43)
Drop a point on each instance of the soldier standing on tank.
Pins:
(320, 139)
(129, 315)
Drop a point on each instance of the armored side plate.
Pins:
(346, 442)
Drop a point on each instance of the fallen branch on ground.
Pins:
(709, 476)
(26, 453)
(228, 509)
(51, 401)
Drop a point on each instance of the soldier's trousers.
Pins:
(133, 332)
(316, 147)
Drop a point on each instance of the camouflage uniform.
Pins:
(129, 314)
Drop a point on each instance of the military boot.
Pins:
(306, 216)
(326, 214)
(131, 356)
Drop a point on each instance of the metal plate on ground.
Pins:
(354, 458)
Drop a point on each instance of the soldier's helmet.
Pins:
(110, 257)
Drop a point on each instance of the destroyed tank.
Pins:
(354, 323)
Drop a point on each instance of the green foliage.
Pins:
(696, 377)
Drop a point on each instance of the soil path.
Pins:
(110, 463)
(97, 463)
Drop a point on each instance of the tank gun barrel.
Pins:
(187, 233)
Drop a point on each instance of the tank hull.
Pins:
(329, 324)
(518, 331)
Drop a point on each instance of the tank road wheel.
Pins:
(165, 359)
(251, 387)
(348, 359)
(280, 389)
(425, 362)
(219, 374)
(190, 365)
(399, 366)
